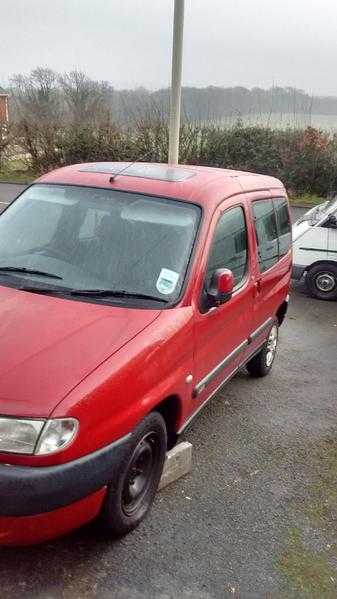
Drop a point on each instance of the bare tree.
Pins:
(37, 96)
(88, 101)
(39, 114)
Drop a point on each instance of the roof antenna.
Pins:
(125, 168)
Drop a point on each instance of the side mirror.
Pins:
(221, 286)
(332, 221)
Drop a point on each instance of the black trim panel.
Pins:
(219, 367)
(223, 382)
(214, 373)
(326, 251)
(27, 491)
(228, 359)
(260, 330)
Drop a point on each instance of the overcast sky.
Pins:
(128, 42)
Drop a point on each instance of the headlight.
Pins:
(37, 437)
(56, 435)
(19, 436)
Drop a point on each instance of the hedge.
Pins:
(305, 160)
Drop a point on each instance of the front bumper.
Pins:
(29, 530)
(37, 504)
(34, 492)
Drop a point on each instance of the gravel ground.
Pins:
(257, 516)
(238, 524)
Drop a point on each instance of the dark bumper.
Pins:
(26, 491)
(297, 272)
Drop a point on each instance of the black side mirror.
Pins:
(332, 221)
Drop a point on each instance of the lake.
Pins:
(285, 120)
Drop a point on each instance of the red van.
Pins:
(128, 296)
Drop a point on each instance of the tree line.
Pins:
(76, 98)
(66, 119)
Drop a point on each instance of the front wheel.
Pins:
(130, 497)
(261, 363)
(321, 281)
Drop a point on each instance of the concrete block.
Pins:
(178, 463)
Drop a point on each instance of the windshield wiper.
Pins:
(46, 290)
(30, 271)
(115, 293)
(99, 293)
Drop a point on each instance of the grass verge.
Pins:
(307, 200)
(310, 568)
(309, 573)
(19, 177)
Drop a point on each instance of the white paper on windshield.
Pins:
(167, 281)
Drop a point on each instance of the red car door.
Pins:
(272, 236)
(221, 333)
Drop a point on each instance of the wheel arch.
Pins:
(318, 262)
(281, 312)
(170, 408)
(311, 279)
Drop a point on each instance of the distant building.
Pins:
(3, 107)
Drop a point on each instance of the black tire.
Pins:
(321, 281)
(130, 496)
(262, 363)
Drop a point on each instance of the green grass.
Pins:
(16, 171)
(16, 177)
(306, 200)
(308, 572)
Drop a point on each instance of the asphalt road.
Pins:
(8, 191)
(248, 522)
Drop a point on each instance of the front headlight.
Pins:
(56, 435)
(39, 437)
(19, 436)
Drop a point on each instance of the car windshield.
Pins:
(316, 214)
(59, 238)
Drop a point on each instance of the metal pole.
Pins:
(177, 61)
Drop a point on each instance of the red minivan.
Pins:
(128, 295)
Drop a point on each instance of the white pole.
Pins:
(177, 62)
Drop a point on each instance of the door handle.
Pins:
(257, 287)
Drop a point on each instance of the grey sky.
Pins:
(128, 42)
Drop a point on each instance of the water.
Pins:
(285, 120)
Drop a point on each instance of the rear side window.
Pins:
(229, 249)
(266, 233)
(283, 225)
(273, 230)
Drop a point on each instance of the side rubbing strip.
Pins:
(261, 329)
(214, 373)
(227, 378)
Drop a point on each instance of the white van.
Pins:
(315, 250)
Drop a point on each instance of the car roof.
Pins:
(207, 186)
